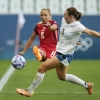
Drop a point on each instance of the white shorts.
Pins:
(64, 59)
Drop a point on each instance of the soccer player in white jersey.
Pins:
(71, 29)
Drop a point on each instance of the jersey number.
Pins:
(62, 32)
(42, 35)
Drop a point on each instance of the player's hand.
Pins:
(78, 43)
(21, 53)
(48, 24)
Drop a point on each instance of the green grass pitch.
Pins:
(52, 88)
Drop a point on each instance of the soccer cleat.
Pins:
(37, 53)
(90, 88)
(24, 92)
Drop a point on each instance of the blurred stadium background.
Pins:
(9, 10)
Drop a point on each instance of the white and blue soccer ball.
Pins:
(18, 62)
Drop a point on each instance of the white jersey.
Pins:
(69, 35)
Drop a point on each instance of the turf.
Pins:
(52, 88)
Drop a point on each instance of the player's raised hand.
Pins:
(48, 24)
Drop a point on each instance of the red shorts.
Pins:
(49, 52)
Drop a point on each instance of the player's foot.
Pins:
(37, 53)
(24, 92)
(90, 88)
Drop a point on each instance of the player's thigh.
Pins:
(51, 64)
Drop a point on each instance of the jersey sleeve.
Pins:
(80, 28)
(35, 30)
(53, 22)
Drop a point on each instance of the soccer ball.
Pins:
(18, 62)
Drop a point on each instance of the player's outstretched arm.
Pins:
(92, 32)
(29, 43)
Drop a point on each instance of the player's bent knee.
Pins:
(41, 70)
(61, 78)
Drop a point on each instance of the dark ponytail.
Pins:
(78, 17)
(73, 11)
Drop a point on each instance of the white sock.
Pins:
(36, 82)
(76, 80)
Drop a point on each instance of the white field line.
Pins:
(5, 77)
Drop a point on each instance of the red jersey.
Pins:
(48, 38)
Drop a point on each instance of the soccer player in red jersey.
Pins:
(47, 30)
